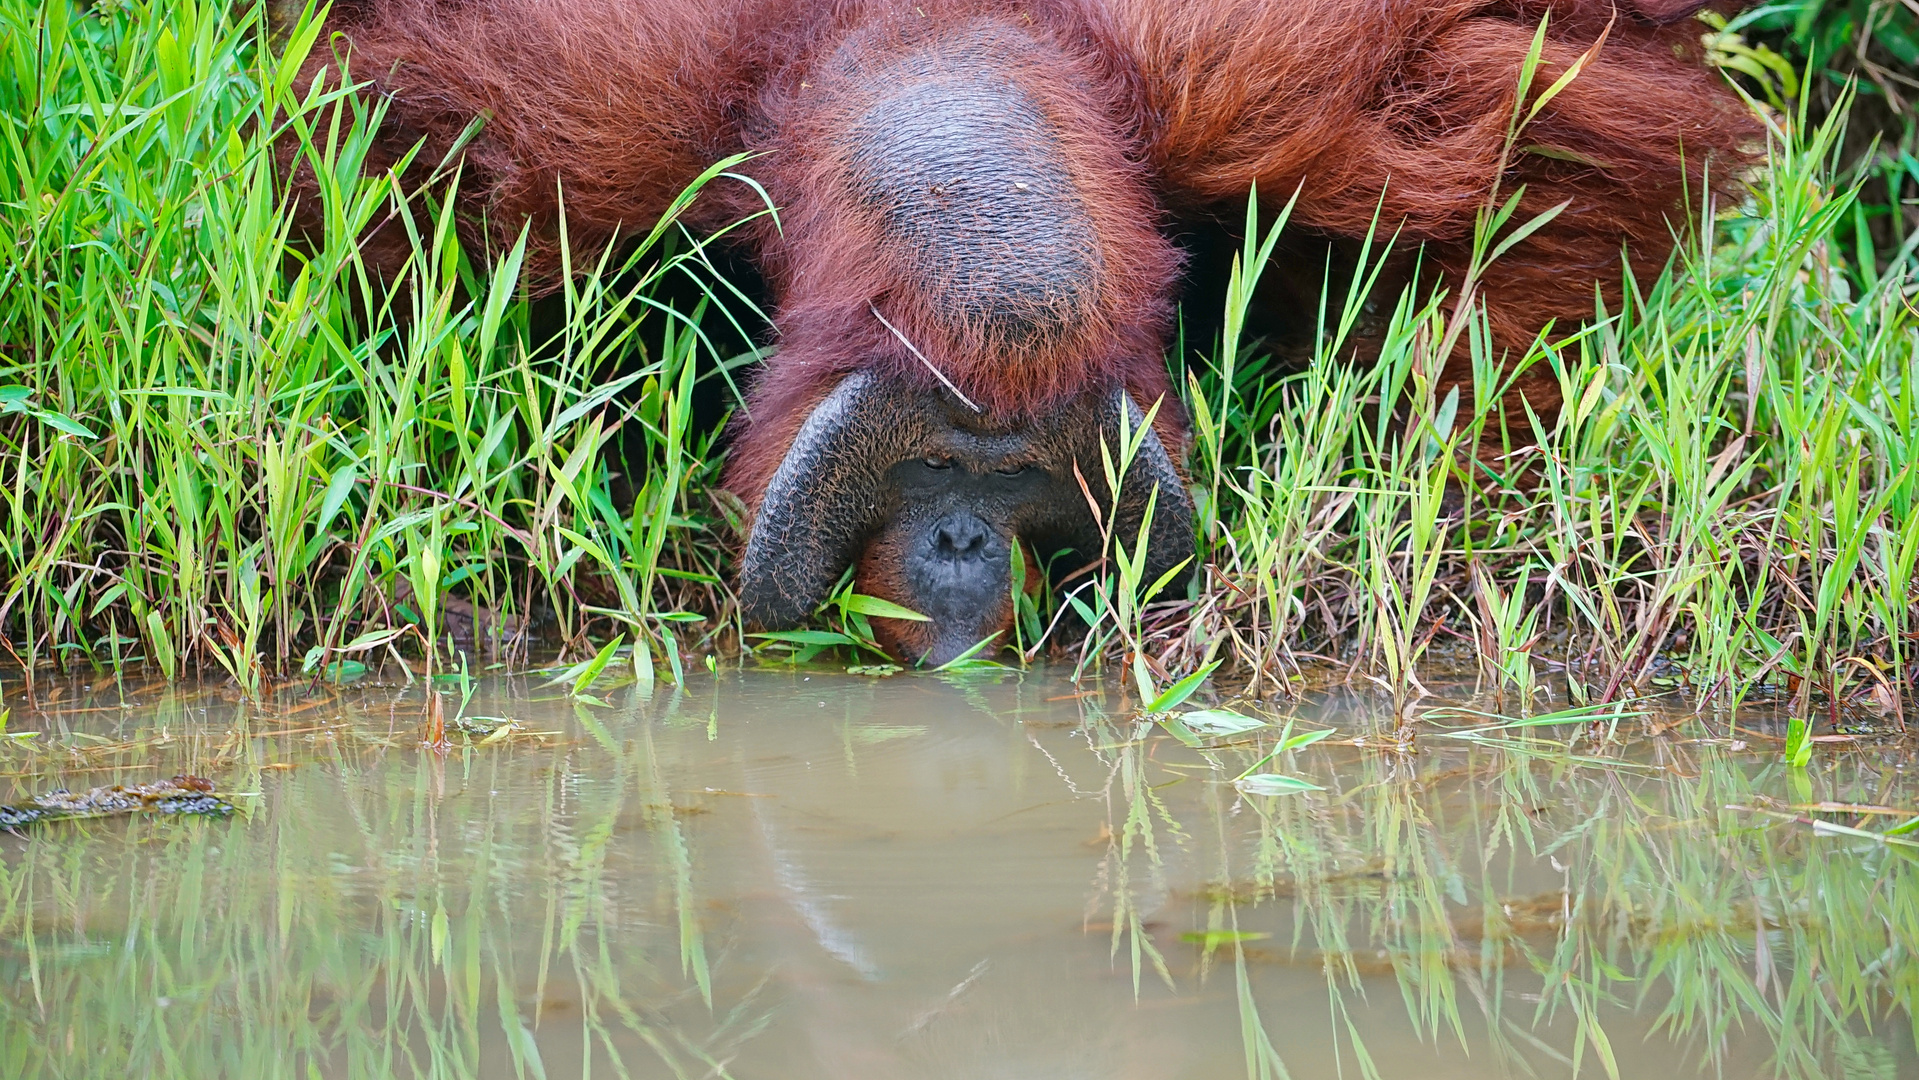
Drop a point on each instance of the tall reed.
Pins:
(227, 449)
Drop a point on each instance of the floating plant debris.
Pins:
(180, 795)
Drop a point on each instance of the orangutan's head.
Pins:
(928, 499)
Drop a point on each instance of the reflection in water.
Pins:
(814, 875)
(806, 900)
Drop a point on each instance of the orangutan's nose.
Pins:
(961, 536)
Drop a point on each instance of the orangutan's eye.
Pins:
(934, 461)
(1010, 470)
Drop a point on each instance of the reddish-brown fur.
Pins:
(1405, 117)
(1164, 108)
(831, 265)
(618, 104)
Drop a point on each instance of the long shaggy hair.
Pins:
(1154, 110)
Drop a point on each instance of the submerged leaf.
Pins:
(1215, 938)
(1219, 722)
(879, 733)
(1274, 784)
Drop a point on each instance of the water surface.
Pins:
(803, 874)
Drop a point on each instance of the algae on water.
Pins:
(181, 795)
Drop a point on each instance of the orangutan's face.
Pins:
(959, 513)
(929, 500)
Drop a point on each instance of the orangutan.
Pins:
(971, 266)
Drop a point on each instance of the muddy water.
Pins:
(797, 875)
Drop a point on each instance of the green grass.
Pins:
(221, 453)
(1821, 50)
(225, 453)
(1729, 487)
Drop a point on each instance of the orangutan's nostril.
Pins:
(961, 537)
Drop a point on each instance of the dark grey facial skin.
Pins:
(948, 492)
(953, 521)
(955, 516)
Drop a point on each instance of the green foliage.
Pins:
(1841, 36)
(1807, 59)
(1722, 507)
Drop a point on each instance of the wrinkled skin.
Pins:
(947, 550)
(930, 498)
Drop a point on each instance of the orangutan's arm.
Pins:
(613, 105)
(1404, 111)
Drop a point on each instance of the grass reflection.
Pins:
(1515, 891)
(384, 912)
(608, 900)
